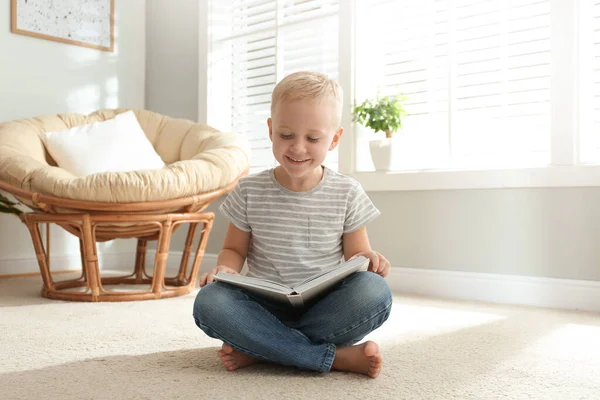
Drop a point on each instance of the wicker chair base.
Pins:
(94, 222)
(91, 228)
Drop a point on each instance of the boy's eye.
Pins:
(290, 136)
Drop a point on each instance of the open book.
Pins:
(301, 293)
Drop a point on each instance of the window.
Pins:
(476, 74)
(253, 45)
(511, 86)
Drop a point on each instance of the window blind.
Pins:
(595, 84)
(253, 45)
(476, 73)
(589, 84)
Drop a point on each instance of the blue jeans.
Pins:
(304, 338)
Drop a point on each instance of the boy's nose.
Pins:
(297, 147)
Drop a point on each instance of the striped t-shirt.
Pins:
(296, 234)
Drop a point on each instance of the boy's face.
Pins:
(302, 132)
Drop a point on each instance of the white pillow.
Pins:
(114, 145)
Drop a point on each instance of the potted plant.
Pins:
(382, 114)
(7, 206)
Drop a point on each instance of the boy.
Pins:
(290, 223)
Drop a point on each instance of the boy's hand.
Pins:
(207, 278)
(379, 264)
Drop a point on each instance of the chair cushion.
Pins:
(115, 145)
(199, 159)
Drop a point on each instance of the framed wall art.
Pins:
(87, 23)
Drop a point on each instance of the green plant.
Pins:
(382, 114)
(7, 206)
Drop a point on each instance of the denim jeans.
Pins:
(304, 338)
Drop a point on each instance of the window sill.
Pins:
(565, 176)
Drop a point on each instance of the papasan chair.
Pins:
(201, 164)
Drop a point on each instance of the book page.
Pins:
(248, 281)
(329, 278)
(317, 276)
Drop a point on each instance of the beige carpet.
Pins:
(433, 349)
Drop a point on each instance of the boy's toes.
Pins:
(375, 365)
(374, 370)
(227, 357)
(226, 348)
(231, 365)
(228, 363)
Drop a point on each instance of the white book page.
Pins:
(248, 281)
(356, 264)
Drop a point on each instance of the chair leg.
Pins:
(189, 242)
(41, 255)
(48, 244)
(162, 253)
(140, 260)
(81, 254)
(91, 267)
(201, 248)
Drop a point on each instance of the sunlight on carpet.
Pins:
(427, 321)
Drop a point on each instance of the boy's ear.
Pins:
(270, 124)
(336, 138)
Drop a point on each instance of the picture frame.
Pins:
(88, 24)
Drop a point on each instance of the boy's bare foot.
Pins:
(364, 358)
(233, 359)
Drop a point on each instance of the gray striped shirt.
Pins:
(296, 234)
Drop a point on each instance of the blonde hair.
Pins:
(307, 85)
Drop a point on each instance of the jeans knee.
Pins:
(364, 305)
(374, 292)
(209, 304)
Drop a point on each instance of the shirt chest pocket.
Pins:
(324, 234)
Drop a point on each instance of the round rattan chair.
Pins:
(202, 164)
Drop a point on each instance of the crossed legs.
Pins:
(321, 338)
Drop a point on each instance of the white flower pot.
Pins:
(381, 154)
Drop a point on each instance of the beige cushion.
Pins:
(199, 159)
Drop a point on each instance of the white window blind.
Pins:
(590, 81)
(476, 73)
(253, 45)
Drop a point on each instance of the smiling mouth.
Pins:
(297, 161)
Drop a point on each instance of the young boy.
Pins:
(290, 223)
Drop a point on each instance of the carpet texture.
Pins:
(432, 349)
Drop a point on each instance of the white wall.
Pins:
(45, 77)
(172, 58)
(539, 232)
(172, 67)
